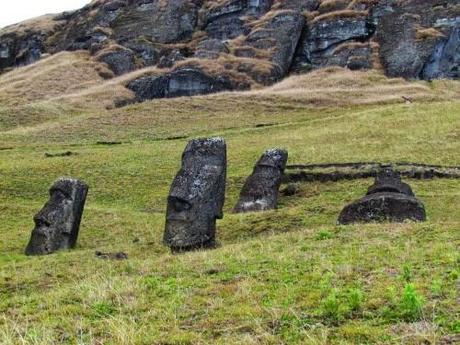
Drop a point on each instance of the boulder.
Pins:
(119, 59)
(197, 196)
(211, 49)
(169, 58)
(182, 82)
(20, 51)
(336, 40)
(227, 28)
(444, 62)
(279, 35)
(58, 223)
(149, 87)
(192, 82)
(161, 21)
(418, 39)
(389, 199)
(146, 53)
(261, 189)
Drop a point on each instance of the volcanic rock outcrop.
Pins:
(197, 196)
(238, 44)
(389, 199)
(260, 192)
(58, 222)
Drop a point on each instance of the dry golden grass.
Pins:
(342, 87)
(333, 5)
(340, 14)
(63, 73)
(427, 33)
(44, 24)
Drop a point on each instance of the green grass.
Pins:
(291, 276)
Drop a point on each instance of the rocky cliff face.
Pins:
(203, 46)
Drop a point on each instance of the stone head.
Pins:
(57, 223)
(274, 158)
(389, 181)
(197, 194)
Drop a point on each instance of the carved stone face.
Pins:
(260, 191)
(197, 195)
(58, 222)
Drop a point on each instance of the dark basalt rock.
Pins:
(299, 5)
(111, 256)
(120, 60)
(389, 181)
(280, 35)
(211, 49)
(336, 41)
(149, 87)
(445, 60)
(191, 82)
(406, 53)
(260, 192)
(20, 51)
(58, 223)
(197, 196)
(267, 38)
(389, 199)
(226, 28)
(381, 207)
(182, 82)
(170, 58)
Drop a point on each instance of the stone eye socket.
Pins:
(59, 194)
(179, 204)
(41, 221)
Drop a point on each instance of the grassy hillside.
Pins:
(291, 276)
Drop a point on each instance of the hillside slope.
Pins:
(290, 276)
(201, 47)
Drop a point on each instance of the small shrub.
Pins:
(324, 235)
(331, 307)
(411, 304)
(102, 310)
(407, 273)
(355, 298)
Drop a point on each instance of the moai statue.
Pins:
(389, 199)
(58, 222)
(260, 191)
(197, 196)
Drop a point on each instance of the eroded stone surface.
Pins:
(389, 181)
(182, 82)
(389, 199)
(250, 42)
(58, 222)
(197, 196)
(260, 192)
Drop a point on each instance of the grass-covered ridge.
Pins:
(291, 276)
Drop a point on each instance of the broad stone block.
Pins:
(58, 222)
(260, 192)
(389, 199)
(197, 196)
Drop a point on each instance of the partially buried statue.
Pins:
(260, 191)
(389, 199)
(197, 196)
(58, 222)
